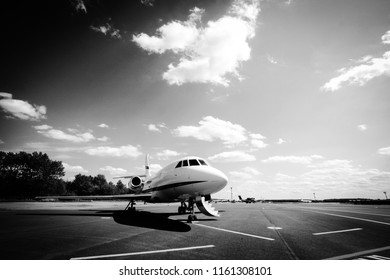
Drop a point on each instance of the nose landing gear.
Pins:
(204, 206)
(183, 208)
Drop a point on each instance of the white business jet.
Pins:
(190, 179)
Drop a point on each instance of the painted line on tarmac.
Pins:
(143, 253)
(361, 253)
(346, 211)
(376, 257)
(337, 231)
(236, 232)
(349, 217)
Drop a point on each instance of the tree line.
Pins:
(27, 175)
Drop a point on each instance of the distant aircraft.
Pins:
(247, 200)
(190, 179)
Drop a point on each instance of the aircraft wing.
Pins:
(128, 177)
(141, 196)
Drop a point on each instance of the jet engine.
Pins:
(136, 183)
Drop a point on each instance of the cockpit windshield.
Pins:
(190, 162)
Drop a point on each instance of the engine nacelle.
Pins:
(136, 183)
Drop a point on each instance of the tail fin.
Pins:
(147, 166)
(240, 197)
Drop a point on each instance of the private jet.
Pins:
(248, 199)
(190, 180)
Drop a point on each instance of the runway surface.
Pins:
(263, 231)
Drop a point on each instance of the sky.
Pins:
(290, 99)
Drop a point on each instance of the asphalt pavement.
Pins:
(261, 231)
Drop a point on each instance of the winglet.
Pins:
(147, 166)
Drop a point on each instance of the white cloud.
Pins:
(341, 176)
(153, 127)
(367, 69)
(103, 125)
(175, 36)
(114, 171)
(251, 170)
(271, 59)
(257, 141)
(211, 128)
(239, 175)
(74, 168)
(207, 54)
(246, 173)
(292, 159)
(166, 154)
(156, 127)
(334, 178)
(154, 168)
(148, 3)
(281, 141)
(386, 38)
(122, 151)
(107, 29)
(332, 164)
(283, 177)
(362, 127)
(1, 142)
(79, 6)
(20, 109)
(74, 136)
(384, 151)
(232, 156)
(103, 139)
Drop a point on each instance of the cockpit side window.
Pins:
(194, 162)
(185, 163)
(202, 162)
(178, 165)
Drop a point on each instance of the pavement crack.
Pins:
(289, 249)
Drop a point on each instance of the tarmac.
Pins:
(260, 231)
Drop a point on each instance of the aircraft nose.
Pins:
(221, 178)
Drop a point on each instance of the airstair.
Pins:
(205, 207)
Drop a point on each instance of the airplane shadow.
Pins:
(159, 221)
(149, 220)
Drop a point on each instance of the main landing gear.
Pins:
(130, 207)
(183, 208)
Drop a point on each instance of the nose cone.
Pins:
(224, 180)
(220, 179)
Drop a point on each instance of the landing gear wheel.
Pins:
(191, 218)
(181, 210)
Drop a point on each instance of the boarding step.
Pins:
(205, 207)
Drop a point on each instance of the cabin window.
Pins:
(185, 163)
(194, 162)
(178, 165)
(202, 162)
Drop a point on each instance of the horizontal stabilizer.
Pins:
(143, 196)
(205, 207)
(128, 177)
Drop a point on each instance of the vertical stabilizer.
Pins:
(147, 166)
